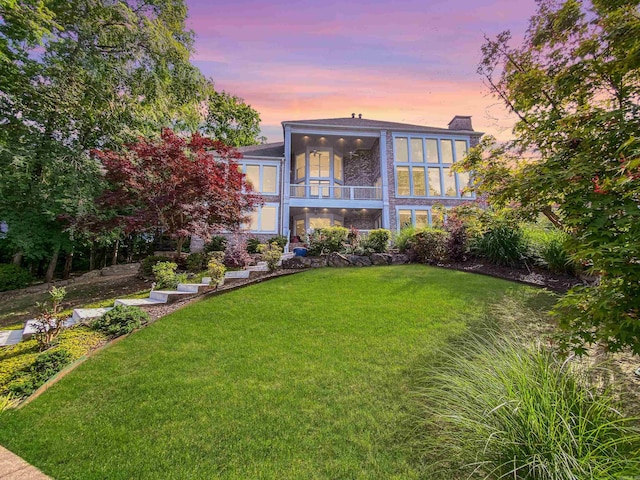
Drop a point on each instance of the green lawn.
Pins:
(302, 377)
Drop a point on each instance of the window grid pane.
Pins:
(269, 179)
(417, 155)
(432, 150)
(447, 151)
(461, 150)
(422, 218)
(404, 218)
(449, 183)
(419, 185)
(253, 176)
(434, 182)
(403, 181)
(402, 149)
(268, 220)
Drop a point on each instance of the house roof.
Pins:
(365, 123)
(275, 149)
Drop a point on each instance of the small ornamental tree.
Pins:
(185, 186)
(574, 86)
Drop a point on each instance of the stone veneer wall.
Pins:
(361, 220)
(414, 202)
(363, 169)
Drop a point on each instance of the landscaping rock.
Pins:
(338, 260)
(295, 263)
(316, 262)
(124, 269)
(399, 259)
(380, 258)
(359, 260)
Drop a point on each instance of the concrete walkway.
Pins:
(12, 467)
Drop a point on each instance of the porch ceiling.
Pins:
(340, 143)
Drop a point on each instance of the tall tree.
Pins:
(574, 86)
(183, 186)
(230, 120)
(103, 73)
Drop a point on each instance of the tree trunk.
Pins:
(180, 243)
(68, 262)
(92, 257)
(17, 258)
(553, 218)
(52, 266)
(114, 258)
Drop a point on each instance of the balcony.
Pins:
(337, 192)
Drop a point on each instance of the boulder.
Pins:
(399, 259)
(295, 263)
(380, 258)
(359, 260)
(338, 260)
(316, 262)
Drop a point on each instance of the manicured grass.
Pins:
(307, 376)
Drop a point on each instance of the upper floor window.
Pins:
(423, 167)
(318, 164)
(264, 178)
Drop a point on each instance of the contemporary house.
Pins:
(356, 172)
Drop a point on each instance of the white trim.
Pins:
(259, 188)
(384, 175)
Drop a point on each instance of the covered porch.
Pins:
(303, 220)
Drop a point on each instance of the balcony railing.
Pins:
(339, 192)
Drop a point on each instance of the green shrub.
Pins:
(378, 240)
(430, 245)
(497, 409)
(271, 254)
(166, 276)
(13, 277)
(218, 243)
(281, 240)
(253, 245)
(120, 320)
(327, 240)
(401, 239)
(45, 366)
(146, 267)
(503, 244)
(216, 270)
(196, 262)
(547, 248)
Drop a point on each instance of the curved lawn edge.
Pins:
(307, 377)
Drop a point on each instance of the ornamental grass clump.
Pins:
(497, 409)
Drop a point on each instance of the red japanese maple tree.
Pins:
(186, 186)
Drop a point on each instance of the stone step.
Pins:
(191, 287)
(82, 314)
(139, 302)
(206, 280)
(30, 327)
(166, 295)
(258, 268)
(237, 274)
(10, 337)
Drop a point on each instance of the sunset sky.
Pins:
(406, 61)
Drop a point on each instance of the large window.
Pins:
(413, 217)
(319, 167)
(264, 178)
(423, 167)
(264, 219)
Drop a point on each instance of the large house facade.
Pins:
(355, 172)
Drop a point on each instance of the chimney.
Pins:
(353, 115)
(461, 122)
(360, 115)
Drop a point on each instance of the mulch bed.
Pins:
(535, 276)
